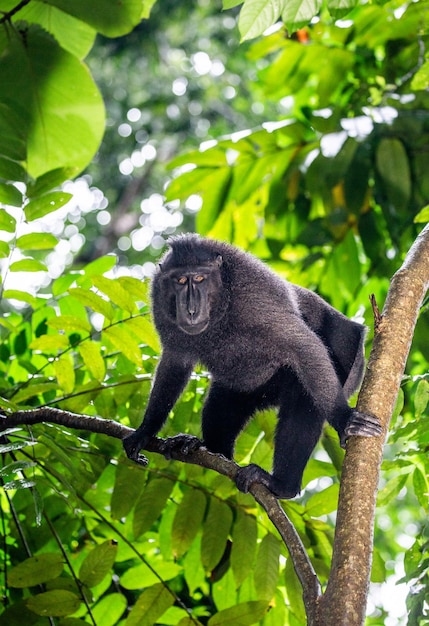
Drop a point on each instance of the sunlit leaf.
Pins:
(37, 241)
(93, 300)
(70, 323)
(43, 205)
(16, 294)
(27, 265)
(64, 372)
(91, 355)
(60, 125)
(10, 195)
(258, 15)
(110, 17)
(7, 222)
(116, 293)
(125, 342)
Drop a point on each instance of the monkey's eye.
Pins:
(198, 279)
(182, 280)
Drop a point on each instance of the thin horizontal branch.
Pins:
(202, 457)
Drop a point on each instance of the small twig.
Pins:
(375, 311)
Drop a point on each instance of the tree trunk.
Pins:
(344, 602)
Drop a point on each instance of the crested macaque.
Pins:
(266, 343)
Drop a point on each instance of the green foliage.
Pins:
(331, 193)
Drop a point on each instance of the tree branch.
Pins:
(344, 602)
(202, 457)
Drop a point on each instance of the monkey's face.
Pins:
(194, 292)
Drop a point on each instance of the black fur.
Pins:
(266, 342)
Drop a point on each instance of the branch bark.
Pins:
(201, 456)
(344, 602)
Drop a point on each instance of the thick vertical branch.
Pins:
(344, 602)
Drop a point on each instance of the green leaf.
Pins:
(115, 292)
(391, 489)
(421, 397)
(4, 249)
(244, 614)
(423, 215)
(34, 390)
(143, 576)
(244, 537)
(90, 352)
(299, 13)
(123, 341)
(109, 609)
(50, 343)
(112, 18)
(258, 15)
(421, 77)
(10, 195)
(28, 265)
(93, 300)
(187, 521)
(47, 182)
(100, 266)
(9, 169)
(22, 296)
(266, 572)
(394, 168)
(152, 603)
(7, 222)
(37, 241)
(421, 488)
(74, 35)
(64, 372)
(16, 466)
(35, 570)
(69, 323)
(144, 329)
(150, 504)
(323, 502)
(57, 124)
(215, 534)
(54, 603)
(98, 563)
(43, 205)
(129, 484)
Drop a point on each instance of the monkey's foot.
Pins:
(132, 445)
(252, 473)
(182, 444)
(362, 425)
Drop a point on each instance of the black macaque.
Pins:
(265, 342)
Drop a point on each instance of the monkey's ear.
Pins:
(219, 260)
(160, 267)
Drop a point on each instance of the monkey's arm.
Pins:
(171, 376)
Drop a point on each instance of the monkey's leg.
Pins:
(298, 431)
(225, 414)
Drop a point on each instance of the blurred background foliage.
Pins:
(309, 146)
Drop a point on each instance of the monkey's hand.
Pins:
(362, 425)
(184, 444)
(133, 444)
